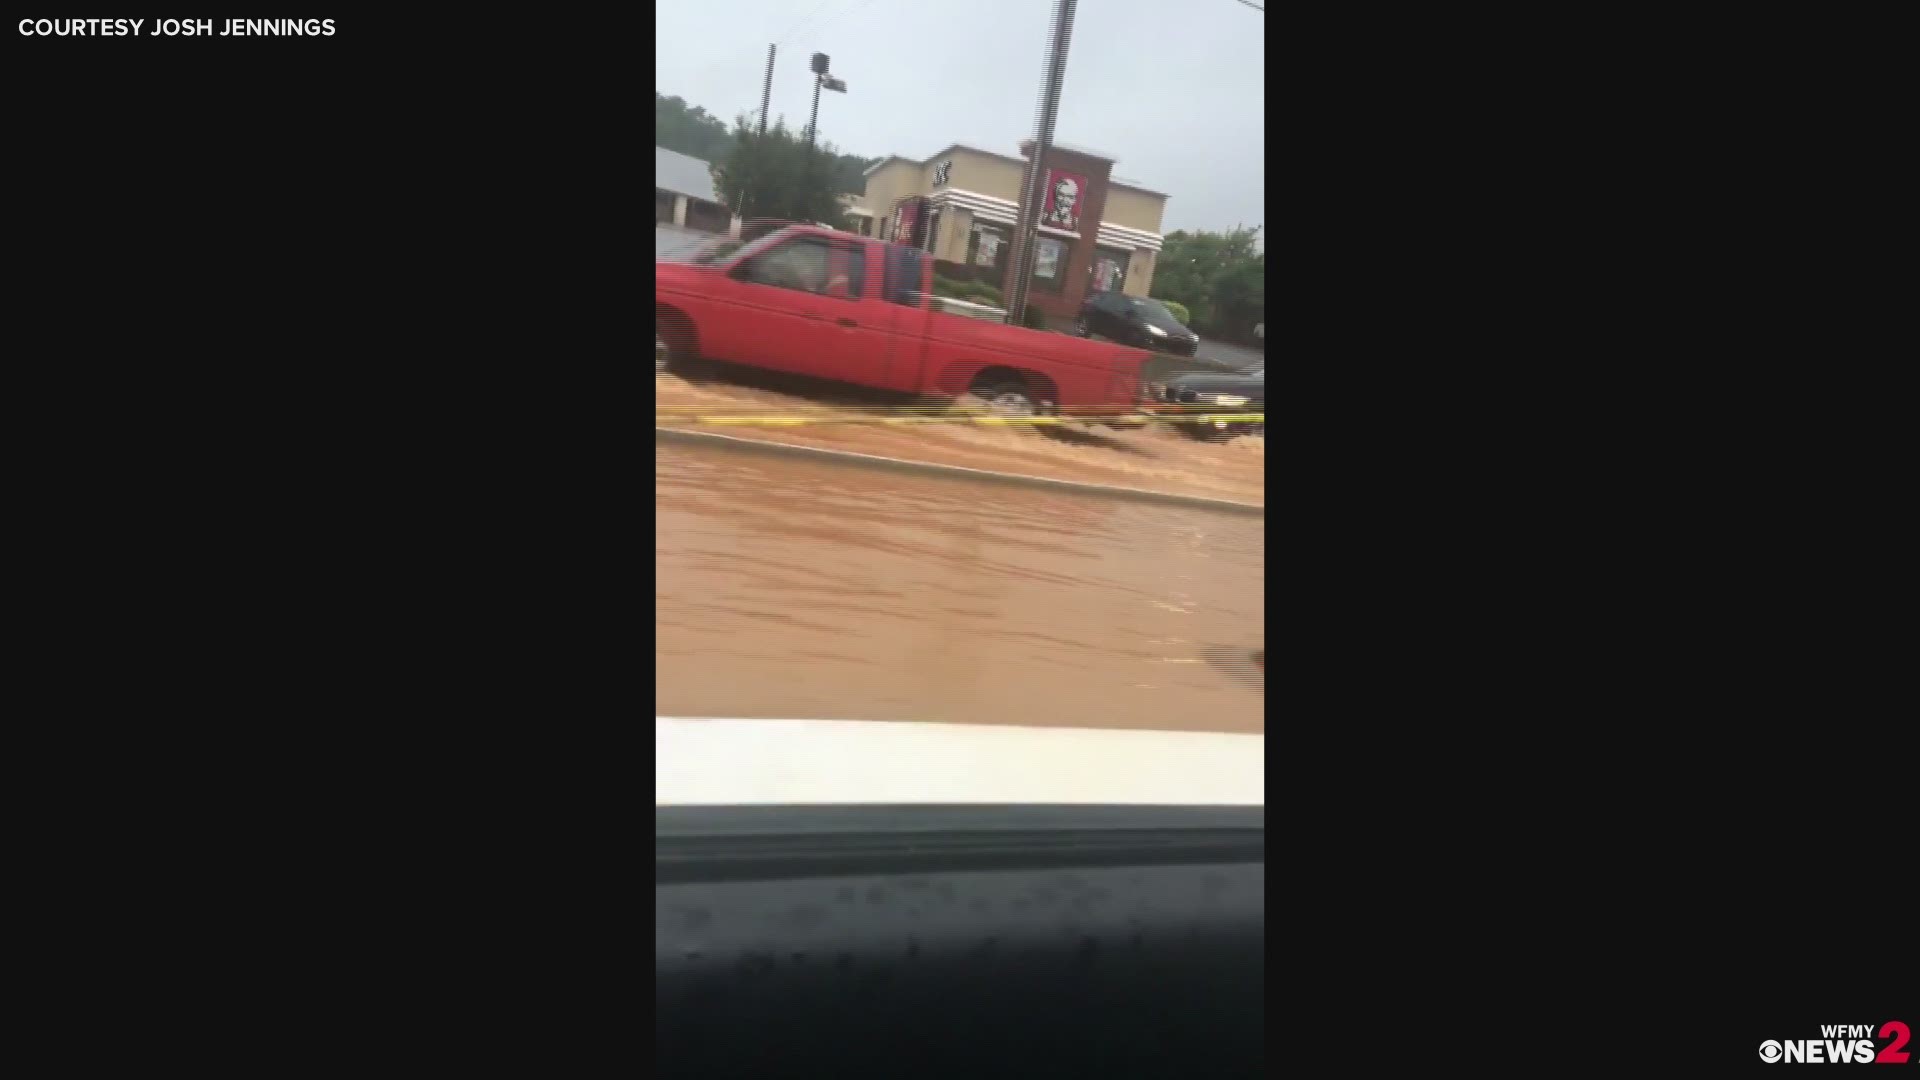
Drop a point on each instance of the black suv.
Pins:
(1130, 320)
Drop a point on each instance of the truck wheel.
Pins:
(1009, 399)
(672, 350)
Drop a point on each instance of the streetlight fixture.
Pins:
(821, 80)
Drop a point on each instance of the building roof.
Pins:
(1112, 181)
(683, 175)
(878, 165)
(1025, 144)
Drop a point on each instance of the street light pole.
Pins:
(813, 118)
(1027, 231)
(820, 79)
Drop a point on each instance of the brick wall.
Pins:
(1077, 258)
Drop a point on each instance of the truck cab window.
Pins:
(811, 265)
(903, 277)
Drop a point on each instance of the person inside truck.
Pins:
(804, 266)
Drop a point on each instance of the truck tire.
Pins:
(672, 349)
(1009, 399)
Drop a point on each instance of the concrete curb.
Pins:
(849, 457)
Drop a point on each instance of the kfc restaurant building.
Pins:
(960, 205)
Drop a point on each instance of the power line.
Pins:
(782, 39)
(1255, 7)
(816, 28)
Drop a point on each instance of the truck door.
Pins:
(802, 298)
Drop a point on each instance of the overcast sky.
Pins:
(1171, 89)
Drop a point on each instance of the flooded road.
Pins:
(1157, 458)
(793, 588)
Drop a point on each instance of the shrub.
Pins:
(946, 286)
(981, 292)
(1179, 312)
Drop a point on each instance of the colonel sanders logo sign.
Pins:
(1063, 195)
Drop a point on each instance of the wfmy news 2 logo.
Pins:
(1841, 1044)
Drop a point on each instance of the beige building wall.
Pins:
(1140, 263)
(892, 181)
(1134, 208)
(982, 173)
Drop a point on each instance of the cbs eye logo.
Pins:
(1770, 1051)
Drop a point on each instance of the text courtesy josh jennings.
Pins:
(176, 28)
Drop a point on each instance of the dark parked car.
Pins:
(1130, 320)
(1229, 393)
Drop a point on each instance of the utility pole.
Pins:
(766, 90)
(1027, 231)
(766, 100)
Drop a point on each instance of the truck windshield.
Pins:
(715, 251)
(723, 250)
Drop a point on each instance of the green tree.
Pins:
(1240, 297)
(774, 176)
(850, 173)
(1220, 278)
(691, 130)
(688, 129)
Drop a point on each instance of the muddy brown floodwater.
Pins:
(794, 588)
(1157, 458)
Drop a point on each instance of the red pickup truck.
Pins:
(827, 304)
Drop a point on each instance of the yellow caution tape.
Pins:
(990, 421)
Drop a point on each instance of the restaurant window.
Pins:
(987, 246)
(1109, 270)
(1049, 264)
